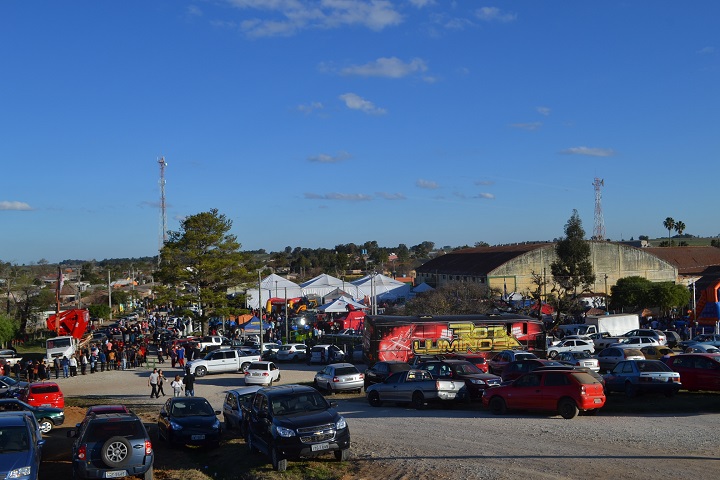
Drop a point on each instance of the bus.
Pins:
(387, 338)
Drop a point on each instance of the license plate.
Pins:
(116, 474)
(597, 400)
(197, 437)
(320, 446)
(255, 375)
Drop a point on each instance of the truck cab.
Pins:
(59, 347)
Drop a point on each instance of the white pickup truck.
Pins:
(221, 361)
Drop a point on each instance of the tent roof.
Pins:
(274, 281)
(340, 305)
(423, 287)
(323, 280)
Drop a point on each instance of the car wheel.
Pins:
(497, 406)
(374, 399)
(567, 408)
(149, 474)
(116, 452)
(200, 371)
(342, 455)
(244, 367)
(552, 354)
(279, 464)
(630, 390)
(45, 425)
(329, 389)
(418, 400)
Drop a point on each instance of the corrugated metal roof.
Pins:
(477, 261)
(688, 260)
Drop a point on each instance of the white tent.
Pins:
(384, 288)
(340, 305)
(273, 286)
(321, 285)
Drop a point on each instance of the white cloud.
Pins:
(591, 152)
(6, 205)
(287, 17)
(706, 51)
(545, 111)
(356, 102)
(194, 11)
(527, 126)
(494, 14)
(391, 67)
(390, 196)
(348, 197)
(488, 196)
(427, 184)
(310, 108)
(324, 158)
(422, 3)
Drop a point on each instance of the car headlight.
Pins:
(285, 432)
(477, 381)
(175, 425)
(341, 424)
(216, 424)
(19, 472)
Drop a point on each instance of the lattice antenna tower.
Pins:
(599, 228)
(163, 213)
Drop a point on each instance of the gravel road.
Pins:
(468, 442)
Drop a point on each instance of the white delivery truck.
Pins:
(59, 347)
(614, 324)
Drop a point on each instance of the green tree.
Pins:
(669, 224)
(669, 296)
(99, 311)
(572, 271)
(454, 298)
(8, 328)
(680, 227)
(631, 294)
(206, 259)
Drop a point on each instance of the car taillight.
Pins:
(582, 390)
(362, 375)
(82, 452)
(265, 374)
(148, 447)
(336, 379)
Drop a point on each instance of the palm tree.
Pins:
(669, 223)
(679, 227)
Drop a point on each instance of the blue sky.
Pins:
(316, 123)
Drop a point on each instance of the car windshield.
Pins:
(10, 381)
(398, 367)
(524, 356)
(101, 431)
(629, 352)
(258, 366)
(191, 408)
(653, 366)
(13, 439)
(286, 347)
(346, 371)
(582, 354)
(465, 368)
(289, 404)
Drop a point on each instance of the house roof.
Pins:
(688, 260)
(477, 261)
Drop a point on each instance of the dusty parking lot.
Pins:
(463, 442)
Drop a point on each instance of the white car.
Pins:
(262, 373)
(292, 351)
(571, 345)
(636, 342)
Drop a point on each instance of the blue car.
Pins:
(20, 446)
(640, 376)
(189, 421)
(235, 406)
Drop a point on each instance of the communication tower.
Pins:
(163, 213)
(599, 229)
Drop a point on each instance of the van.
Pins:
(326, 354)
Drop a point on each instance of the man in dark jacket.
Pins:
(189, 382)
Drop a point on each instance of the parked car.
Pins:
(379, 372)
(476, 381)
(97, 409)
(294, 421)
(475, 358)
(518, 368)
(338, 377)
(648, 332)
(566, 392)
(43, 394)
(595, 375)
(707, 338)
(571, 345)
(673, 338)
(702, 348)
(653, 352)
(497, 363)
(578, 359)
(236, 403)
(20, 447)
(640, 376)
(262, 373)
(611, 356)
(698, 371)
(47, 417)
(292, 352)
(10, 386)
(270, 351)
(223, 360)
(189, 421)
(636, 342)
(112, 445)
(416, 387)
(326, 354)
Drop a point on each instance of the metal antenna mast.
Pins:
(163, 213)
(599, 229)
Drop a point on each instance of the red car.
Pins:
(566, 392)
(476, 359)
(43, 394)
(518, 368)
(698, 371)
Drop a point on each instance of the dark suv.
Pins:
(112, 445)
(293, 421)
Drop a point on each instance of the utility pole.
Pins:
(163, 213)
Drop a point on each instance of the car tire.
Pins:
(374, 399)
(149, 475)
(342, 455)
(200, 371)
(497, 406)
(418, 400)
(630, 390)
(567, 408)
(244, 367)
(45, 425)
(279, 464)
(552, 354)
(116, 452)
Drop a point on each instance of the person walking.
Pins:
(161, 380)
(73, 365)
(189, 382)
(177, 386)
(153, 383)
(181, 356)
(65, 366)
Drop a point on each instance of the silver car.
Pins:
(611, 356)
(579, 359)
(338, 377)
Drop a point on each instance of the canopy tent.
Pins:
(384, 288)
(272, 286)
(342, 304)
(321, 285)
(423, 287)
(252, 326)
(335, 294)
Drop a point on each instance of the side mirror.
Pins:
(333, 404)
(40, 443)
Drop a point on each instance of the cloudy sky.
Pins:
(318, 122)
